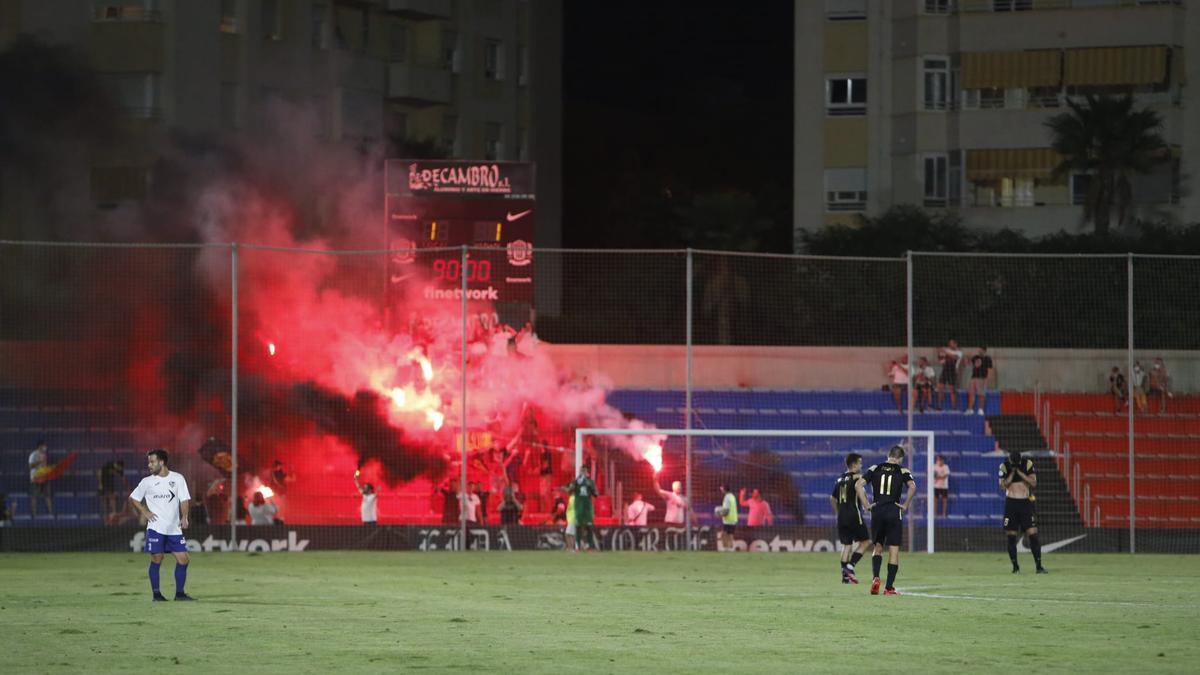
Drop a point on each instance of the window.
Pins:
(936, 179)
(845, 10)
(450, 134)
(321, 37)
(845, 189)
(323, 113)
(991, 98)
(1080, 184)
(229, 21)
(111, 185)
(362, 114)
(229, 106)
(493, 60)
(398, 124)
(846, 95)
(522, 65)
(1011, 5)
(126, 10)
(450, 53)
(938, 92)
(136, 93)
(493, 147)
(398, 42)
(939, 6)
(272, 20)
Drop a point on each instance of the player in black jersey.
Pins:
(1018, 478)
(887, 481)
(851, 529)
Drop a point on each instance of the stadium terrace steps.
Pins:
(1055, 507)
(1094, 441)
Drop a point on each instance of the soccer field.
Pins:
(609, 612)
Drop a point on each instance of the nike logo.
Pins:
(1047, 548)
(510, 216)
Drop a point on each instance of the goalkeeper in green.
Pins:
(584, 489)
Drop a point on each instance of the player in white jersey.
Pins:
(163, 498)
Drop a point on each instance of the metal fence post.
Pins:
(687, 407)
(233, 395)
(462, 479)
(910, 389)
(1129, 403)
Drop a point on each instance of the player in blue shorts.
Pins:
(165, 508)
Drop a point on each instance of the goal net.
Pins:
(792, 471)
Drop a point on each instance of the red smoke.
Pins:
(327, 386)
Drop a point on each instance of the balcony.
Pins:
(972, 6)
(420, 10)
(419, 85)
(127, 46)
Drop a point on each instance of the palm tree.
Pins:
(1111, 141)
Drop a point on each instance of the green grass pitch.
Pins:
(610, 612)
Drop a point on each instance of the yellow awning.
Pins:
(1011, 70)
(992, 163)
(1116, 66)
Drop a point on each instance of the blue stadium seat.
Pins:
(961, 438)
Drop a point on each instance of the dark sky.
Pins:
(664, 100)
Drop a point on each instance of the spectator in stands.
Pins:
(526, 340)
(759, 511)
(677, 504)
(923, 384)
(982, 369)
(470, 503)
(450, 501)
(261, 511)
(39, 460)
(545, 477)
(637, 511)
(949, 357)
(941, 486)
(558, 515)
(112, 490)
(1139, 387)
(7, 511)
(483, 502)
(368, 507)
(511, 506)
(1160, 384)
(1117, 387)
(898, 374)
(280, 477)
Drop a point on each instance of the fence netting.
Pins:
(429, 398)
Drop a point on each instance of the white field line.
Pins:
(948, 596)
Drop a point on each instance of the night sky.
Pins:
(667, 102)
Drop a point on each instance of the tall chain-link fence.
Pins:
(422, 399)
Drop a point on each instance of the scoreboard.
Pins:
(440, 204)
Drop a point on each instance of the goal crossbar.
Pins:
(929, 437)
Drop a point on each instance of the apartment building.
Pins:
(943, 103)
(479, 78)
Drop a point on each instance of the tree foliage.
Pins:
(1108, 139)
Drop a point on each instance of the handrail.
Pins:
(1087, 502)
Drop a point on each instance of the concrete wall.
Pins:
(848, 367)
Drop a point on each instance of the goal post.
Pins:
(648, 434)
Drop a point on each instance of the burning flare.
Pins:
(652, 453)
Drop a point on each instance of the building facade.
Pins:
(465, 78)
(943, 104)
